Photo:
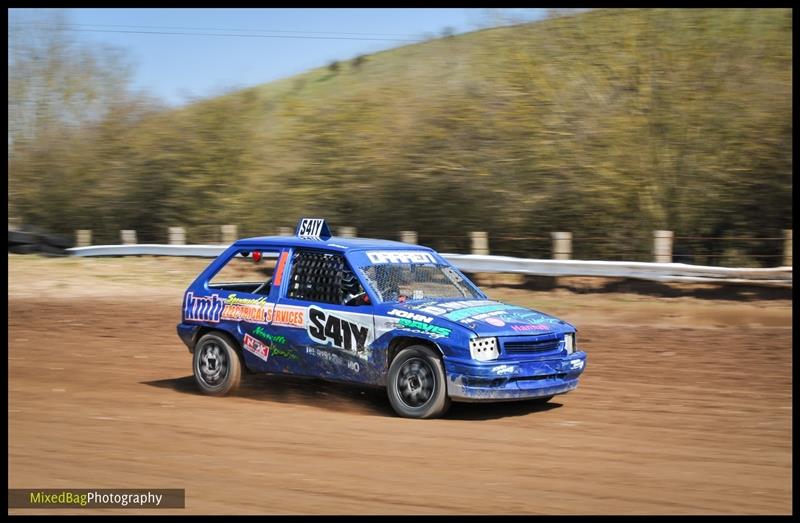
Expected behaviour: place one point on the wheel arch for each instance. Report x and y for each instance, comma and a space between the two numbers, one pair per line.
203, 330
237, 347
401, 342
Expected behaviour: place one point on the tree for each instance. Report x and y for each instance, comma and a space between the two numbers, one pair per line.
53, 80
359, 60
56, 86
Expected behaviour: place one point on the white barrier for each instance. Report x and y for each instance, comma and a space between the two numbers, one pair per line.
149, 249
621, 269
679, 272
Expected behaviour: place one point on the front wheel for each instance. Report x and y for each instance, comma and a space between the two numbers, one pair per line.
217, 367
417, 383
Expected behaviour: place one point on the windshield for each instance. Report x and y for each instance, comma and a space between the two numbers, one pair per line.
399, 282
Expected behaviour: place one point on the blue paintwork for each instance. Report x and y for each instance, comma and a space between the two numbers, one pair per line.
334, 243
294, 351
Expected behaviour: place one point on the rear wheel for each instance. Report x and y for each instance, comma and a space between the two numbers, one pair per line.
416, 384
216, 364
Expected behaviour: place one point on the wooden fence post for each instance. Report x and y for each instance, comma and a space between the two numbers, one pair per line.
128, 236
480, 242
787, 247
562, 245
83, 237
228, 233
408, 236
177, 236
347, 232
662, 246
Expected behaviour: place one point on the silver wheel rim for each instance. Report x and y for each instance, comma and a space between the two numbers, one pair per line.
415, 383
212, 365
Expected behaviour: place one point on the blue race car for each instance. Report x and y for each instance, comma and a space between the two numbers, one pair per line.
372, 312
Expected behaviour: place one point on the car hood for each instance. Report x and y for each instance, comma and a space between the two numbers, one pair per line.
484, 317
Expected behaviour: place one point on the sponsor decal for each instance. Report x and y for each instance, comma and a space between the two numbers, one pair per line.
488, 315
386, 324
528, 317
400, 257
333, 358
245, 309
203, 308
259, 331
287, 316
329, 328
528, 328
503, 369
472, 311
255, 346
424, 327
232, 299
278, 352
576, 364
491, 312
253, 310
410, 315
438, 309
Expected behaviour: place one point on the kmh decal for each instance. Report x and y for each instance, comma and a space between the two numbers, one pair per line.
203, 308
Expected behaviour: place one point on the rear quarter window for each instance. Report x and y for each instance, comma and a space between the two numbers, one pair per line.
241, 269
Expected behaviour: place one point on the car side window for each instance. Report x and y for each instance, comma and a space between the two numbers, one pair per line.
324, 277
247, 271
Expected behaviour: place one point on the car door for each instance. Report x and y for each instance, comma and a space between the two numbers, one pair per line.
338, 323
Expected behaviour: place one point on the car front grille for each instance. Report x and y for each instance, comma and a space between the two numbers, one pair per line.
531, 346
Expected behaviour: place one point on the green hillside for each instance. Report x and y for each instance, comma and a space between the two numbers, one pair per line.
609, 124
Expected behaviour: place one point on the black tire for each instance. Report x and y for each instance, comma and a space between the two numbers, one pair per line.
417, 385
216, 365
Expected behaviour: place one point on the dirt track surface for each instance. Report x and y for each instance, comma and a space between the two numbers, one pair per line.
685, 407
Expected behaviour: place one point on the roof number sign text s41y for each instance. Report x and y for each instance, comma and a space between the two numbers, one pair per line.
314, 228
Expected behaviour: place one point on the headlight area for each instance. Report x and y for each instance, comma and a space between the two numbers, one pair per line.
570, 342
483, 349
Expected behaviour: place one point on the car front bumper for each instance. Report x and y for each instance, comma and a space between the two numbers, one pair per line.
517, 379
